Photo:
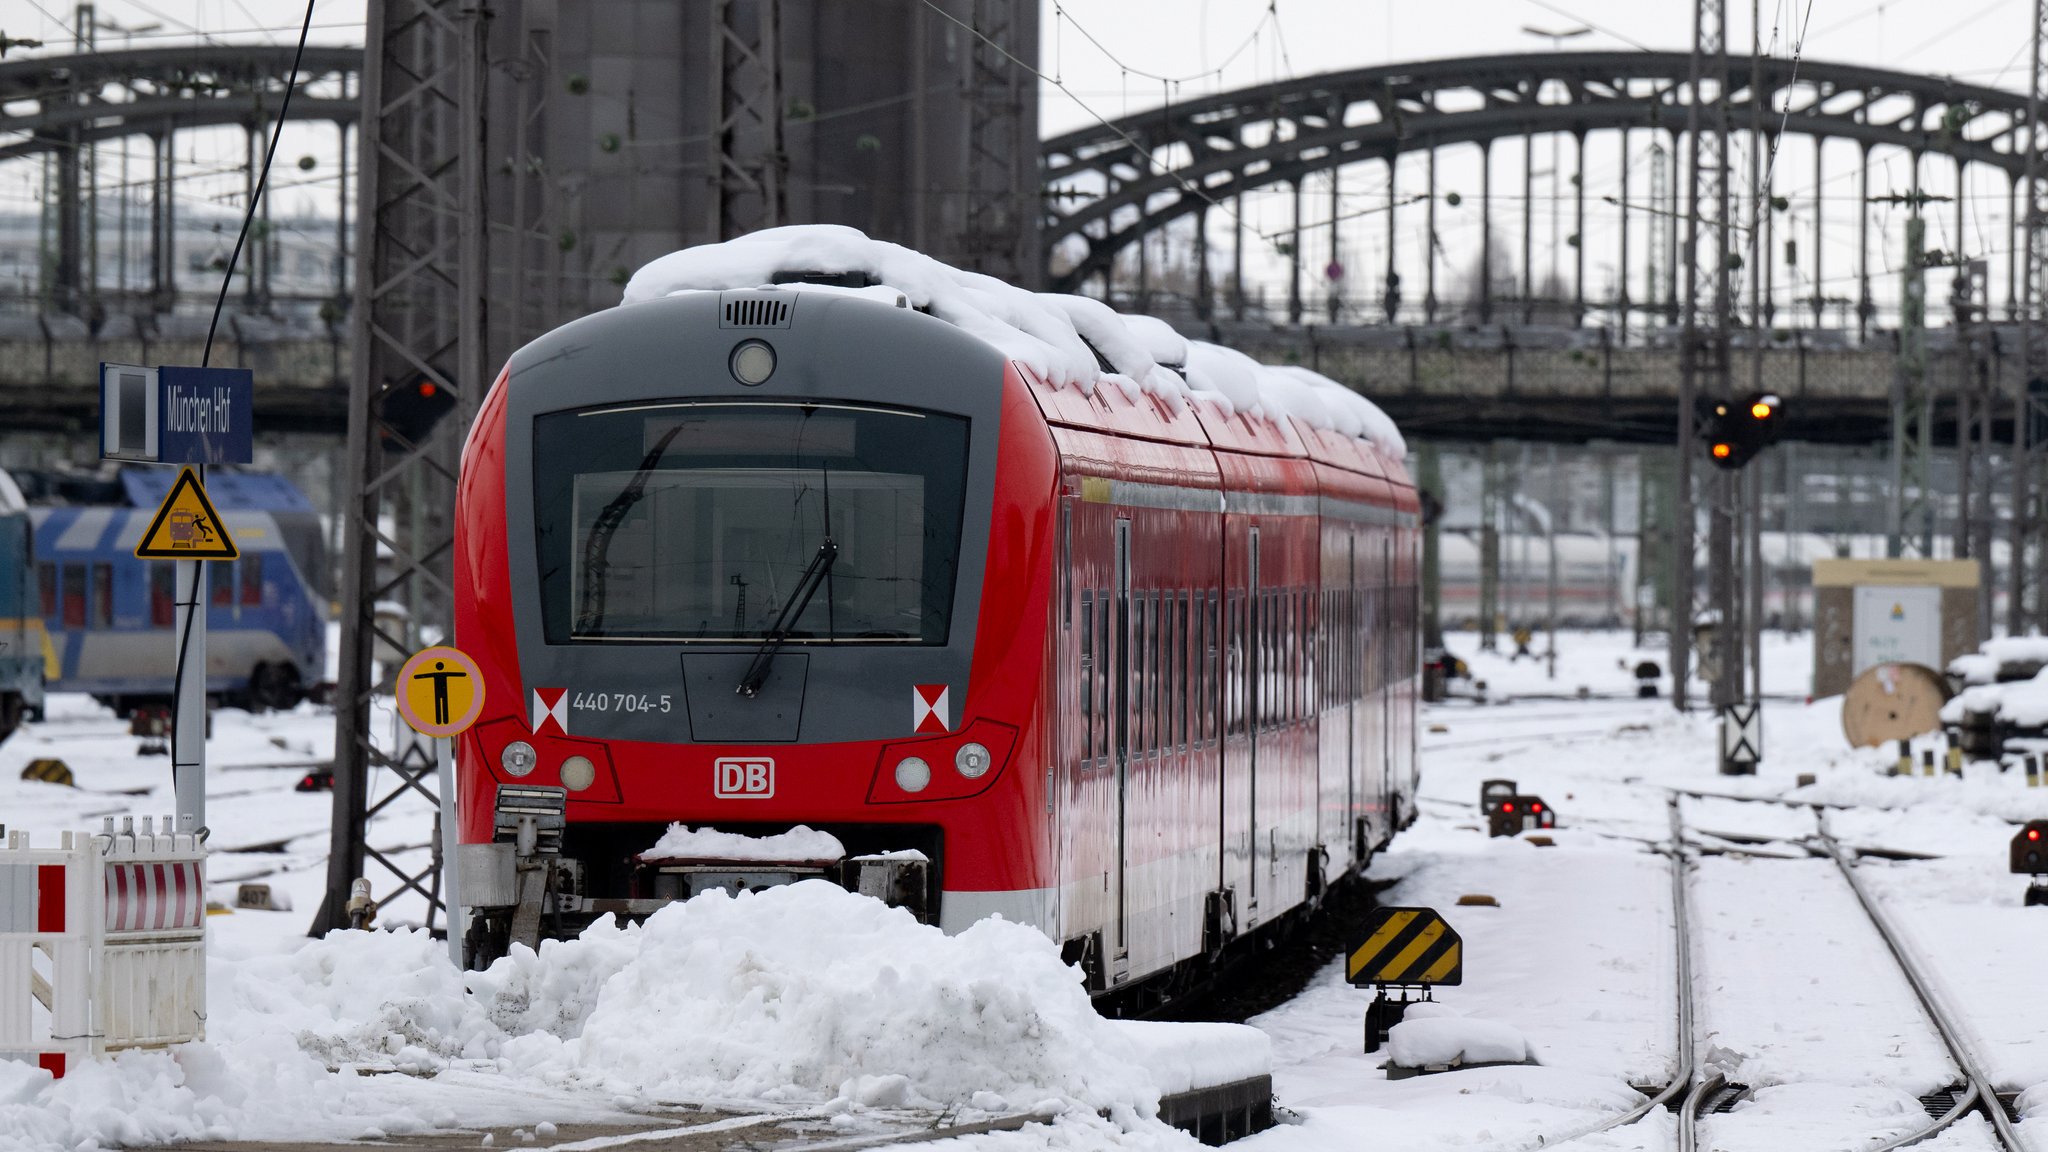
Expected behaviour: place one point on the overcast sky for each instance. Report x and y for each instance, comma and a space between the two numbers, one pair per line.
1982, 41
1107, 57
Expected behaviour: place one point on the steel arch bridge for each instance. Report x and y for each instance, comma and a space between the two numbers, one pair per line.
61, 105
1109, 186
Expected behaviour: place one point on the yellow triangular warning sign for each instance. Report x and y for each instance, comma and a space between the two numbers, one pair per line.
186, 526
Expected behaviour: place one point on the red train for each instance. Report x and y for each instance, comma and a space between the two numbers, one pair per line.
1135, 664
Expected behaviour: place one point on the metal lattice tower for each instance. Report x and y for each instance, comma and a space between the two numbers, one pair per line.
418, 316
998, 234
2023, 605
748, 163
1703, 348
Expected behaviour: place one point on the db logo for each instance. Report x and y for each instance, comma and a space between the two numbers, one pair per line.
743, 778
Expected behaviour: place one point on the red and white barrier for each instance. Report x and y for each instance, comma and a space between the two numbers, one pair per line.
102, 943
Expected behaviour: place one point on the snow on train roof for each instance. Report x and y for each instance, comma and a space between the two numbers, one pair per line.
1054, 335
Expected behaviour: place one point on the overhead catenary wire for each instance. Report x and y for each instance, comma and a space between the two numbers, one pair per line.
1151, 163
262, 181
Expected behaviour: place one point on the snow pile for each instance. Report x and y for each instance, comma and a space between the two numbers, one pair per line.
808, 994
2023, 703
803, 995
1182, 1057
1982, 666
799, 845
1432, 1034
1056, 336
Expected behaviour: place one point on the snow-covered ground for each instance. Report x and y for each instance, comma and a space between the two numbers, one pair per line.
810, 1002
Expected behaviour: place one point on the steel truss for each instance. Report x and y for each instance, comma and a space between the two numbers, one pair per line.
419, 315
1278, 134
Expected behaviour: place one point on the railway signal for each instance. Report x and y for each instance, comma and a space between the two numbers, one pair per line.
2030, 858
1404, 948
1737, 432
1514, 815
1492, 793
410, 411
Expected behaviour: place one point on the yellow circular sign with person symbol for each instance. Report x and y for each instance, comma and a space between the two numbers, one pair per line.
440, 692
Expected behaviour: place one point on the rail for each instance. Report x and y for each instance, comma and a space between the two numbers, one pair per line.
1979, 1095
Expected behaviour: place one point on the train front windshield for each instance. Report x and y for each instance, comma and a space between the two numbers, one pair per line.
697, 521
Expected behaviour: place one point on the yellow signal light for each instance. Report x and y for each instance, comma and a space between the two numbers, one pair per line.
1723, 451
1761, 410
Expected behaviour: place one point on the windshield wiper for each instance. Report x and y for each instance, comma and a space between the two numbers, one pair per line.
799, 599
597, 544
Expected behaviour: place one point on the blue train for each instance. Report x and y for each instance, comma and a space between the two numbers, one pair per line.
23, 650
108, 615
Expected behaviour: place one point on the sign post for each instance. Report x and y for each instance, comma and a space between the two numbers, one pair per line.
187, 531
175, 414
440, 693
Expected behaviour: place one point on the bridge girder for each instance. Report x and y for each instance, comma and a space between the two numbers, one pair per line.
1278, 133
146, 91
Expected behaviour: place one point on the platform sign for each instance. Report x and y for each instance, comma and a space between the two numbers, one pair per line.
185, 526
440, 692
176, 414
1408, 946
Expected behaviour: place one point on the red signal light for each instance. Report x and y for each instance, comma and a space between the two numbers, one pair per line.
1535, 807
427, 389
2033, 833
1507, 807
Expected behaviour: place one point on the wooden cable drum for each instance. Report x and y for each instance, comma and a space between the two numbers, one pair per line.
1891, 702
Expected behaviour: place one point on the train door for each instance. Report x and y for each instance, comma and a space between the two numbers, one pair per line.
1119, 718
1255, 671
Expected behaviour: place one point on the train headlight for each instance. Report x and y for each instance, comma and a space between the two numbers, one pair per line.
518, 758
972, 760
753, 362
912, 774
578, 773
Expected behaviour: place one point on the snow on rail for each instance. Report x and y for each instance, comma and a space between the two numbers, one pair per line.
1056, 336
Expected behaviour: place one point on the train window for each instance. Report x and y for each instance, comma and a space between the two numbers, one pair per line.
1232, 660
1283, 646
222, 580
74, 596
1162, 672
1205, 655
1066, 561
1174, 661
163, 594
1259, 707
1087, 678
252, 577
103, 595
1148, 673
697, 521
1211, 670
46, 587
1183, 675
1105, 688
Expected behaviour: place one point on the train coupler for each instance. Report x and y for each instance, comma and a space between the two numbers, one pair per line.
532, 818
898, 879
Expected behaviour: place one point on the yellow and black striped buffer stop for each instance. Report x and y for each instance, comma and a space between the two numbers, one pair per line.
1412, 946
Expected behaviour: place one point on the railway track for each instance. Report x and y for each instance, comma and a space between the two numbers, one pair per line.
1696, 1090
